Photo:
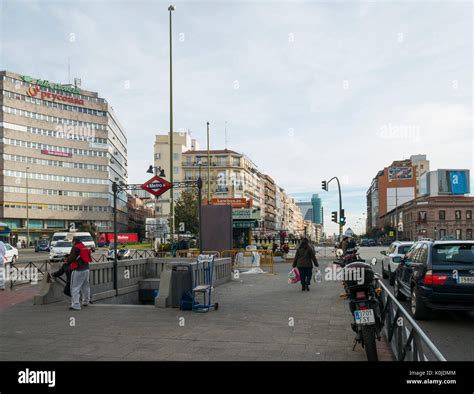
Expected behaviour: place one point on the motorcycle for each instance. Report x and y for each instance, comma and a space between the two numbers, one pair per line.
365, 304
352, 255
122, 254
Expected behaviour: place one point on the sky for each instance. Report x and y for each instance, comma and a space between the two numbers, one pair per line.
308, 90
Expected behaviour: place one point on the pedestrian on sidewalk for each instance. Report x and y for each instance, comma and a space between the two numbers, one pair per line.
79, 260
3, 252
305, 257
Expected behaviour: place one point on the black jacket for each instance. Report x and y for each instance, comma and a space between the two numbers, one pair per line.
305, 258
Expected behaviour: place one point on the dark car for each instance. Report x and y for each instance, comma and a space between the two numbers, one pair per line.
364, 242
42, 246
437, 275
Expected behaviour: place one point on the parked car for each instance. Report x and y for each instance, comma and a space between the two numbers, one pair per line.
11, 254
42, 246
57, 237
364, 242
437, 275
396, 250
58, 251
372, 242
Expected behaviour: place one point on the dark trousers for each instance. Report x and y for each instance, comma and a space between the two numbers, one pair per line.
305, 274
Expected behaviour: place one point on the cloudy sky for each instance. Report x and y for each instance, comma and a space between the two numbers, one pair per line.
308, 90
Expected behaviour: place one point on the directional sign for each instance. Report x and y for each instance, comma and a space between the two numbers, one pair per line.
156, 186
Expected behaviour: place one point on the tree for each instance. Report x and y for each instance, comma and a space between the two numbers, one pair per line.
89, 228
186, 211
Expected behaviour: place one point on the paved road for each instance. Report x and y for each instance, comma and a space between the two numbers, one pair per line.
451, 332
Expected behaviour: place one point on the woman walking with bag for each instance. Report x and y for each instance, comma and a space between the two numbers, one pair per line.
304, 260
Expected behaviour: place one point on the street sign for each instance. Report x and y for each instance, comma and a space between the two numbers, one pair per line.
156, 186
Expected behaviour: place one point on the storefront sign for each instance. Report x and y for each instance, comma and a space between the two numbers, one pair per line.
55, 153
47, 84
251, 224
234, 202
246, 214
35, 91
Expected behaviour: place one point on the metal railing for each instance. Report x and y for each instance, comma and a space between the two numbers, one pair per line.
405, 336
21, 273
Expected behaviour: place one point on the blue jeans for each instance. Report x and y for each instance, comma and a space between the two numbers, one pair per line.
305, 274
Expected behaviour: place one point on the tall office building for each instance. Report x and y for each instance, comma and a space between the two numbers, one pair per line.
62, 147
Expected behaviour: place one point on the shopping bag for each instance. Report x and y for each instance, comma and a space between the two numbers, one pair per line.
318, 276
294, 276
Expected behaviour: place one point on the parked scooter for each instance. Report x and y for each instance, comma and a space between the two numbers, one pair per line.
365, 304
122, 254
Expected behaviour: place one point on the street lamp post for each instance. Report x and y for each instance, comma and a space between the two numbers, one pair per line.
199, 185
27, 210
171, 9
208, 168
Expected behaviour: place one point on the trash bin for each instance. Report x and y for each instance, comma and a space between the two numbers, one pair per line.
181, 282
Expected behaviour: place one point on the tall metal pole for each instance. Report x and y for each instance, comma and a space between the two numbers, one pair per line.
199, 185
340, 205
396, 213
27, 210
115, 191
208, 168
171, 9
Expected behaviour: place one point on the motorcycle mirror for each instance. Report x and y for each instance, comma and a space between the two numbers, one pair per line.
339, 252
374, 261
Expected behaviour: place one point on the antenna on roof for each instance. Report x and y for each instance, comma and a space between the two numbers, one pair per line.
69, 70
225, 134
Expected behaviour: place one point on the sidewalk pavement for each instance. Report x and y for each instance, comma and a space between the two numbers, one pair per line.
253, 323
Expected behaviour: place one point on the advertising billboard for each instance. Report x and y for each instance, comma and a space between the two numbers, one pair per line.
455, 182
400, 173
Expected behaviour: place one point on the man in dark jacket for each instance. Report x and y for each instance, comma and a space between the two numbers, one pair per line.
78, 260
305, 257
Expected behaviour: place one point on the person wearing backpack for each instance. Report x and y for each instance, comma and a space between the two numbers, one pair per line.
79, 260
305, 257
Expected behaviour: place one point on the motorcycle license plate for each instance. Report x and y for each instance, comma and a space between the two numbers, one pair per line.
364, 317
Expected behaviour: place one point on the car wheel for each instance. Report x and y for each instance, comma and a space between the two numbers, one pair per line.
384, 273
396, 289
418, 309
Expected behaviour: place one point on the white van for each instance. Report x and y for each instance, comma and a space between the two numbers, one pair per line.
58, 237
85, 238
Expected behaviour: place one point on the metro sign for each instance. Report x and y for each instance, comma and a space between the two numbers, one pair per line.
156, 186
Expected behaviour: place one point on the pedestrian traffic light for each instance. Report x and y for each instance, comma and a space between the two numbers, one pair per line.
324, 185
334, 216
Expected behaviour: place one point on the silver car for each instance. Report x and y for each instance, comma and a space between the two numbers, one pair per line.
391, 258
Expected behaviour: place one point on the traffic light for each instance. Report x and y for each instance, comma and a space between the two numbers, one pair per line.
334, 216
324, 185
342, 218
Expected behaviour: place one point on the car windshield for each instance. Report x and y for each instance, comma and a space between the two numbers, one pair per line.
84, 238
43, 242
454, 253
403, 249
58, 237
63, 244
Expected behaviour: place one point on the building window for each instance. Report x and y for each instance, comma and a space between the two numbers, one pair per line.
458, 234
469, 233
442, 233
157, 156
442, 215
457, 215
469, 215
